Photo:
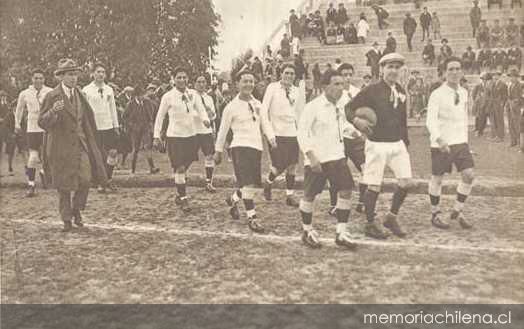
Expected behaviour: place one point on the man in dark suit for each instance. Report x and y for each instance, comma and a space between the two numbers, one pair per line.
484, 58
331, 14
475, 15
410, 25
499, 98
468, 60
425, 22
481, 96
428, 53
72, 152
514, 106
373, 57
391, 44
514, 57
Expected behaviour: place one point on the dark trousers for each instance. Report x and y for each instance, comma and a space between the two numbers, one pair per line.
481, 121
425, 31
514, 123
375, 71
67, 205
496, 120
409, 37
475, 25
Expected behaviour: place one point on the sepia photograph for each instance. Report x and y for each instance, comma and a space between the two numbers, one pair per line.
246, 164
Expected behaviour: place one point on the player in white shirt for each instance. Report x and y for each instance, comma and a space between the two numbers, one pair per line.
242, 116
29, 102
320, 135
182, 148
101, 97
447, 123
279, 116
205, 139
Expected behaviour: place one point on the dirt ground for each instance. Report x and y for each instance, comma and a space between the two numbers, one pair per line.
138, 247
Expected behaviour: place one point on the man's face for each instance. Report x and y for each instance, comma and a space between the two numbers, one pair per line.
38, 80
246, 84
288, 76
391, 72
347, 75
201, 84
70, 78
149, 92
335, 87
496, 77
454, 72
100, 74
180, 80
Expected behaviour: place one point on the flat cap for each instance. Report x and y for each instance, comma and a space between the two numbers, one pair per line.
392, 58
485, 76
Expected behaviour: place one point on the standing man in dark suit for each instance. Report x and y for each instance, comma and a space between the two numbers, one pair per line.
514, 106
72, 153
391, 44
425, 22
373, 57
410, 25
475, 16
481, 96
499, 98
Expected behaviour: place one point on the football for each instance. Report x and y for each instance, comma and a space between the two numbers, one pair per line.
367, 114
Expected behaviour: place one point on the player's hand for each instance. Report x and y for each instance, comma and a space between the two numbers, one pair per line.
117, 131
363, 126
315, 164
206, 123
57, 106
217, 157
444, 147
273, 142
156, 143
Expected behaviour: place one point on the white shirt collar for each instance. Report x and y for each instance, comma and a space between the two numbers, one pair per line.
67, 90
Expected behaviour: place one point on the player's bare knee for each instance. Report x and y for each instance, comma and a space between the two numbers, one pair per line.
344, 194
406, 183
181, 170
468, 176
374, 188
291, 170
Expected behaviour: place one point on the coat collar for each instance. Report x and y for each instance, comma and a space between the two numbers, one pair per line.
67, 104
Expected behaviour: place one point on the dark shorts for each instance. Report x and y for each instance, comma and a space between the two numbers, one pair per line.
182, 151
336, 172
206, 143
35, 140
285, 154
108, 139
247, 166
459, 155
15, 141
141, 138
354, 150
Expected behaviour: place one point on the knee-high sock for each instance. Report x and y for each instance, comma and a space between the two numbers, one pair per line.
333, 197
463, 191
180, 182
434, 191
306, 212
342, 213
290, 184
209, 164
398, 198
370, 202
249, 204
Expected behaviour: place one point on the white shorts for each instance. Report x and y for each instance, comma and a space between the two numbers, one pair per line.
380, 155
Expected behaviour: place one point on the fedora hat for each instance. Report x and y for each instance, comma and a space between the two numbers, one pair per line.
67, 65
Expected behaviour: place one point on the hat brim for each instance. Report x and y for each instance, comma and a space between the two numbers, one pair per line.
401, 62
68, 69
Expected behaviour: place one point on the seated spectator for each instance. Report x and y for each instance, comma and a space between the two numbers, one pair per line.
469, 62
428, 53
342, 15
350, 35
285, 47
340, 34
331, 14
319, 27
435, 26
499, 60
484, 58
382, 14
446, 49
515, 56
512, 32
331, 35
491, 2
483, 34
497, 35
362, 29
391, 44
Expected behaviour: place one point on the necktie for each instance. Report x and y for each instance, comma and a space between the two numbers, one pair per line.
394, 96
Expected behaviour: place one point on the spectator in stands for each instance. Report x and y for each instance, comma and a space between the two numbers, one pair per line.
469, 63
484, 58
373, 57
481, 96
363, 28
497, 34
294, 24
499, 60
425, 23
295, 45
331, 34
391, 44
490, 2
435, 26
310, 25
303, 22
329, 70
514, 2
319, 29
351, 34
367, 81
496, 117
258, 69
300, 67
416, 93
285, 50
446, 49
515, 56
331, 14
382, 14
268, 70
512, 32
428, 53
317, 80
483, 34
410, 26
475, 16
342, 15
338, 62
268, 53
514, 106
340, 34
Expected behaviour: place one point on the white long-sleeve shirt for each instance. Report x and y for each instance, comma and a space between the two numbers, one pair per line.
200, 99
279, 115
102, 101
350, 131
446, 120
320, 130
181, 110
30, 100
244, 122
